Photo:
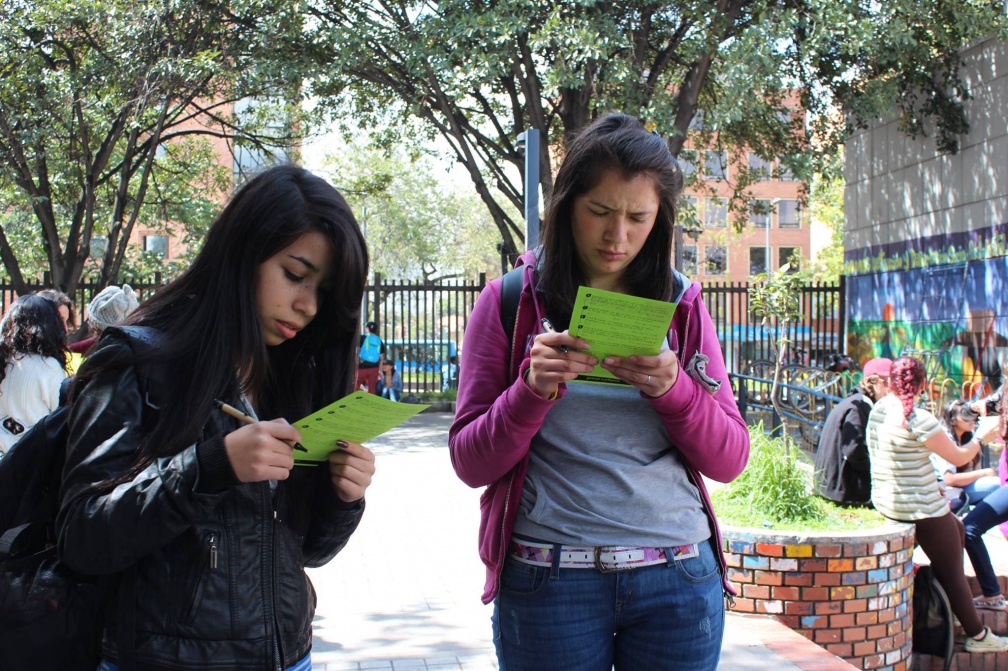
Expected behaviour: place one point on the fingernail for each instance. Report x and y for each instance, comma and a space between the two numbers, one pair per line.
341, 443
609, 361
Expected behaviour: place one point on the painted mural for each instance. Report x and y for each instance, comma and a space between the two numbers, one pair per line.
943, 299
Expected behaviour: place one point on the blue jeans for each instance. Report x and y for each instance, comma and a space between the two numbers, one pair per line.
987, 514
980, 489
667, 616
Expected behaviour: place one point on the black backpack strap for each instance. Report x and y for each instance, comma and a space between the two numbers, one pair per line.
511, 288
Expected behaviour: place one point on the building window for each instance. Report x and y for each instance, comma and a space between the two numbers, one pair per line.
761, 167
787, 214
689, 259
790, 255
759, 213
715, 260
99, 243
687, 162
784, 173
757, 260
715, 213
156, 244
715, 165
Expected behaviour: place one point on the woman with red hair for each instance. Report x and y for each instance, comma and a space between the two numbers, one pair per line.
904, 488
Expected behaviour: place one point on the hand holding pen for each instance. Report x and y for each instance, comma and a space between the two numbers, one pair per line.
260, 450
555, 359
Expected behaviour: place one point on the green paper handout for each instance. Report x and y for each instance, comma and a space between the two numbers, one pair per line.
618, 325
358, 418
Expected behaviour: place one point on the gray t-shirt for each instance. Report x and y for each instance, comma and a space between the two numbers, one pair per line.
603, 471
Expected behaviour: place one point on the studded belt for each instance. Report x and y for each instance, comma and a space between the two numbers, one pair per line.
604, 558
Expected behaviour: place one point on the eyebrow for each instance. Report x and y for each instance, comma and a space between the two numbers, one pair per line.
599, 203
308, 264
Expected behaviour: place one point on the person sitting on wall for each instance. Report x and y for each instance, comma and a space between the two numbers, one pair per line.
842, 469
974, 484
390, 384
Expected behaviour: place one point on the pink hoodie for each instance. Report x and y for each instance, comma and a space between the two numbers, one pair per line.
497, 414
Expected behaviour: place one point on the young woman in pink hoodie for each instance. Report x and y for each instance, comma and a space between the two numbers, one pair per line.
597, 532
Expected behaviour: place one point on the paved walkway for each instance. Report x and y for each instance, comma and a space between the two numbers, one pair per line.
405, 592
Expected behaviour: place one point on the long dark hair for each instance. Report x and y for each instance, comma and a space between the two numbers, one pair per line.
208, 320
905, 380
32, 326
612, 142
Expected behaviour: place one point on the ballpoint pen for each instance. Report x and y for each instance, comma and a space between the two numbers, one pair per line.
549, 329
241, 416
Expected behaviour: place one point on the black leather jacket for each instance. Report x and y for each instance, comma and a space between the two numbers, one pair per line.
220, 581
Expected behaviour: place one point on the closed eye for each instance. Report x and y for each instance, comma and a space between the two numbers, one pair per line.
297, 279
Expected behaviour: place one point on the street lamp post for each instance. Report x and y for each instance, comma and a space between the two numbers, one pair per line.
529, 143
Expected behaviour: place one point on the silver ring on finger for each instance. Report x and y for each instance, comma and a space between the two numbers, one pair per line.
648, 381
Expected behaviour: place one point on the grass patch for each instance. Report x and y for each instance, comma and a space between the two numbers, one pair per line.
775, 492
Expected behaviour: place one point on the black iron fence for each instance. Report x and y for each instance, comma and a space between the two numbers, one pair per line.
423, 324
86, 290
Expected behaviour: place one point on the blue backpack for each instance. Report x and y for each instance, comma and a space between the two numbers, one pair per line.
370, 349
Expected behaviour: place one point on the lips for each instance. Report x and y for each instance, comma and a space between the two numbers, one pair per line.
611, 256
287, 330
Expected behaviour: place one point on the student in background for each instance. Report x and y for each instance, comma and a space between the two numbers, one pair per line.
390, 383
842, 471
33, 359
64, 306
210, 512
110, 306
904, 488
372, 353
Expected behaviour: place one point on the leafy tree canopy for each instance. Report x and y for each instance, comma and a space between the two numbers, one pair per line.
479, 73
419, 224
102, 104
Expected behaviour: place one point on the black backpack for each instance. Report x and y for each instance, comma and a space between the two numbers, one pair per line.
50, 616
933, 632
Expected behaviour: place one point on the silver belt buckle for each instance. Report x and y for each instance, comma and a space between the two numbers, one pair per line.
604, 569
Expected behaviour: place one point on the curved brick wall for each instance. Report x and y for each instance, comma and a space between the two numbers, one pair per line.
849, 592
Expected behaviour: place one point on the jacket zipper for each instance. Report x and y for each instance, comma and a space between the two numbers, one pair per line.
202, 577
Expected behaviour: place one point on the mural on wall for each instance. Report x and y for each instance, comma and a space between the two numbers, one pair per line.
943, 299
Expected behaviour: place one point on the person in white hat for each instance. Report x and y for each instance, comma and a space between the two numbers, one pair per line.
110, 306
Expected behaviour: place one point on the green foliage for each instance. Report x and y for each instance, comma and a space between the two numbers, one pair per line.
726, 76
775, 491
419, 225
95, 96
772, 485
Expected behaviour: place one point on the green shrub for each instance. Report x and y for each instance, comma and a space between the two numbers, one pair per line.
775, 491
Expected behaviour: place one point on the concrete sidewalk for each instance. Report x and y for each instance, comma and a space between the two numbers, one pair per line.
405, 592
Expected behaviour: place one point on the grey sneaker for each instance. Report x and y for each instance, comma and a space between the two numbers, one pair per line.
990, 642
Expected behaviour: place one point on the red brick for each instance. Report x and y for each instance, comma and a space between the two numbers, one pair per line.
799, 608
840, 565
855, 606
828, 608
738, 576
840, 649
768, 578
841, 621
853, 634
815, 594
787, 593
744, 605
865, 648
770, 549
828, 636
855, 549
732, 559
827, 579
878, 631
812, 565
798, 579
866, 618
756, 591
873, 662
829, 551
841, 593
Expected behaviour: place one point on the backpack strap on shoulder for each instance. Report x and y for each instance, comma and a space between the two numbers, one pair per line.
511, 288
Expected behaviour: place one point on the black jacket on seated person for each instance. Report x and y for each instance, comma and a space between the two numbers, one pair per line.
219, 563
842, 469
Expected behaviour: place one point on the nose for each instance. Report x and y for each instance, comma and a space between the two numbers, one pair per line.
616, 230
307, 301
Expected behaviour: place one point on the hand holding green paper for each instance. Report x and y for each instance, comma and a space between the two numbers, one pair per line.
358, 418
618, 325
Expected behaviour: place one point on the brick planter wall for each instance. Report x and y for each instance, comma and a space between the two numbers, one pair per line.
850, 592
